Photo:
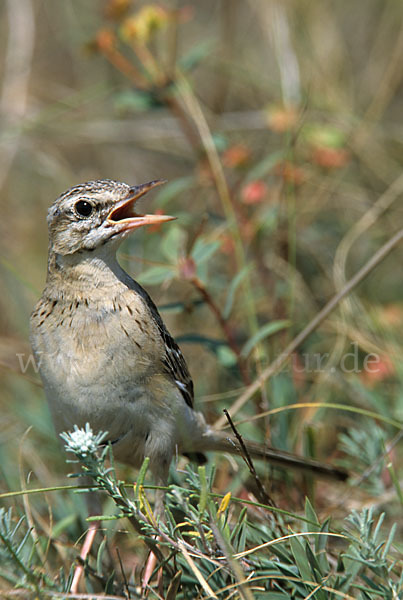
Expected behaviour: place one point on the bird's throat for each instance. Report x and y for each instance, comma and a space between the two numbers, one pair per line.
86, 272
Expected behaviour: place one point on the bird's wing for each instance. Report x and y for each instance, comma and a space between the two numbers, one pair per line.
176, 366
173, 359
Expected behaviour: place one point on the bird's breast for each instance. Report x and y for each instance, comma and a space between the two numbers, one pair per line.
94, 355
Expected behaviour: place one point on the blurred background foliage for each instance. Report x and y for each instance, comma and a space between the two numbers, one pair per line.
278, 127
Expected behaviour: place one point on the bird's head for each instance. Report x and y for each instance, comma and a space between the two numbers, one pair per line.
97, 213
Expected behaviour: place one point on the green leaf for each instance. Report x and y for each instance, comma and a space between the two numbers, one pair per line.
63, 524
298, 550
268, 219
143, 470
180, 307
226, 356
219, 348
315, 567
156, 275
265, 331
320, 546
220, 142
239, 277
203, 489
324, 135
196, 54
172, 189
135, 101
195, 338
203, 250
100, 555
265, 166
389, 541
173, 243
310, 514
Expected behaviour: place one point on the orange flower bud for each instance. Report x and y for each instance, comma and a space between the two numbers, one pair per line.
105, 40
236, 156
254, 192
141, 26
290, 173
330, 158
281, 118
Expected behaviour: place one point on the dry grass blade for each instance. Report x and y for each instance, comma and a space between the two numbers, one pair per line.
196, 571
284, 538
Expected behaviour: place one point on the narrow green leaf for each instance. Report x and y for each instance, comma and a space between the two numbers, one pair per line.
389, 540
268, 219
63, 524
180, 307
320, 546
156, 275
195, 338
311, 516
266, 165
239, 277
203, 489
203, 250
238, 532
173, 243
135, 101
298, 550
315, 566
109, 586
197, 54
100, 554
143, 471
220, 141
264, 332
329, 136
172, 189
226, 356
377, 529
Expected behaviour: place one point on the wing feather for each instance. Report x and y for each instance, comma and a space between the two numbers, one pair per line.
173, 359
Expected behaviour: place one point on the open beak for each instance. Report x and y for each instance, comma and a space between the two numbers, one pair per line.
123, 212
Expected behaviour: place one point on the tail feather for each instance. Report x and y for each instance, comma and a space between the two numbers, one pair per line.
215, 440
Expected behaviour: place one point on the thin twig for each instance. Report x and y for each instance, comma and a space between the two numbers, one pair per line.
126, 584
262, 495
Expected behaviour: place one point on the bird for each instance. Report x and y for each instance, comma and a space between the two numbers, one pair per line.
104, 353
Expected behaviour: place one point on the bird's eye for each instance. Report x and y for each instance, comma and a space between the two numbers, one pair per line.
83, 208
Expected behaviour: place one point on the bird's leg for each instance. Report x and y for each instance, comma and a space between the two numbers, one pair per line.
93, 508
85, 550
161, 479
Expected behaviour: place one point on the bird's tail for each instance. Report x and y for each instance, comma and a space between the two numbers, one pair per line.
219, 441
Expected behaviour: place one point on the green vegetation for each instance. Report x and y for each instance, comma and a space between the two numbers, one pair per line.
277, 127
